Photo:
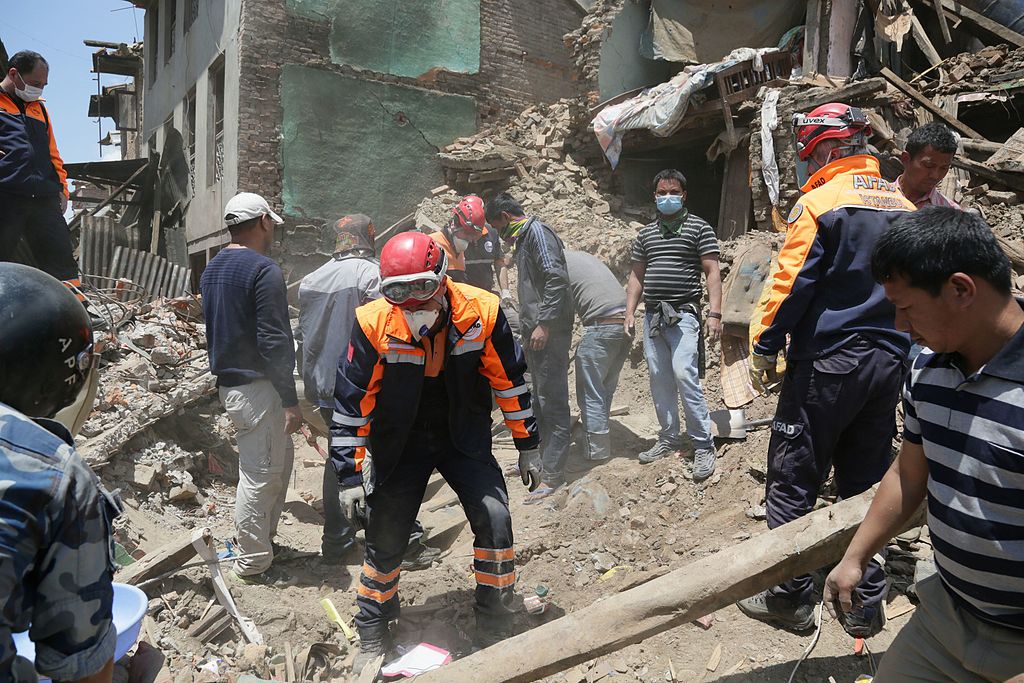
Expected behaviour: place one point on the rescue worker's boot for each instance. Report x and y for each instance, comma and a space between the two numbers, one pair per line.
773, 609
492, 628
374, 642
861, 621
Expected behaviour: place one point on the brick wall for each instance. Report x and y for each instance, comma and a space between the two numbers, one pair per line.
523, 60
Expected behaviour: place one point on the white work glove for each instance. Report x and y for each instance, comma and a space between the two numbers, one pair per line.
352, 498
529, 468
763, 371
506, 299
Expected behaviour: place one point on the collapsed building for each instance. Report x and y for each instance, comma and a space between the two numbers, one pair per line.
335, 107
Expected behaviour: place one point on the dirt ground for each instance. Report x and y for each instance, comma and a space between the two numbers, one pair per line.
610, 525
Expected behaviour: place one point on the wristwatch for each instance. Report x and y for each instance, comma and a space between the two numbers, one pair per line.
715, 315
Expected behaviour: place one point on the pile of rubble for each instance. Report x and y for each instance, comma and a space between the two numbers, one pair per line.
542, 158
153, 364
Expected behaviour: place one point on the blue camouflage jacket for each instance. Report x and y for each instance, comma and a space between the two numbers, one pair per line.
56, 561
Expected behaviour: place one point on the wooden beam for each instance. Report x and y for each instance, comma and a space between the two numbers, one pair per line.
936, 111
676, 598
924, 42
1014, 181
168, 556
849, 94
943, 25
981, 21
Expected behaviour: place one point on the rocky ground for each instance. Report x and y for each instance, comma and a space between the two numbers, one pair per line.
610, 527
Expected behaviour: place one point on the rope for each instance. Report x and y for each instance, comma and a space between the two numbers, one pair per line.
814, 639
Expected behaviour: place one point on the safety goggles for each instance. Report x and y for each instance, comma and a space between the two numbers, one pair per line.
400, 290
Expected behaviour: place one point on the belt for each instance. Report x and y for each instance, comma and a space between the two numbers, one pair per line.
613, 320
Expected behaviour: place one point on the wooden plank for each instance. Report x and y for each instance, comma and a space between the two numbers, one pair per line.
981, 21
1013, 181
850, 94
165, 558
735, 212
937, 111
924, 42
678, 597
943, 25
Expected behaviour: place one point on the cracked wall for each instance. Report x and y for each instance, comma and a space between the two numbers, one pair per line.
375, 154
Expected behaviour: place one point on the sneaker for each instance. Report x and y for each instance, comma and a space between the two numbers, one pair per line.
703, 463
420, 560
862, 622
270, 577
659, 450
772, 609
373, 644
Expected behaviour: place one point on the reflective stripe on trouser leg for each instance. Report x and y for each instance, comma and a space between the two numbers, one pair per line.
377, 595
495, 567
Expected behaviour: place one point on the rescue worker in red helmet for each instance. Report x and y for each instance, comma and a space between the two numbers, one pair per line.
845, 363
467, 225
414, 390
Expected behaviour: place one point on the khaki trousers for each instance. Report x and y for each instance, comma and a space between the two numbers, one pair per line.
942, 642
265, 456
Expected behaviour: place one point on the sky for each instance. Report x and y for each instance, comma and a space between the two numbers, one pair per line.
56, 29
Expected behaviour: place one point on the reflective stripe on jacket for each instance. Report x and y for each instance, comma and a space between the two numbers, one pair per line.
377, 392
823, 293
29, 161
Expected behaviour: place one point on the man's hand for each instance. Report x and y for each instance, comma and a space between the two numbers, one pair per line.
763, 371
351, 498
714, 329
292, 419
506, 299
529, 468
840, 584
63, 203
539, 338
629, 325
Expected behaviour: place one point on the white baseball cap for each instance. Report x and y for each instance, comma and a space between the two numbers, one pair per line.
245, 206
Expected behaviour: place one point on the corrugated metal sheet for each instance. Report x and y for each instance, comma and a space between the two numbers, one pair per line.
156, 274
100, 237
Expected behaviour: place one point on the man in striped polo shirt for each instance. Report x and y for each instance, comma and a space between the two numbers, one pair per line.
963, 447
669, 256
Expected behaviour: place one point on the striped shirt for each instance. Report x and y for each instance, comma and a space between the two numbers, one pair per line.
673, 267
972, 432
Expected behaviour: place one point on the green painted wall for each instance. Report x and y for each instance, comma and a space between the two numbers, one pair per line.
361, 146
400, 37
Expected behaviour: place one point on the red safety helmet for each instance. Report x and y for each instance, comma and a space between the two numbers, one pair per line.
834, 120
468, 215
412, 268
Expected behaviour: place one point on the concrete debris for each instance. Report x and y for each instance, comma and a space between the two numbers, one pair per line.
155, 365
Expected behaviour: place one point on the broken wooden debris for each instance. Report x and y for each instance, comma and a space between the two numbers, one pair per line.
167, 557
936, 111
1012, 180
979, 20
678, 597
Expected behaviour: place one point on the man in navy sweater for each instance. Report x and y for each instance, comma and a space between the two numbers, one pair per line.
252, 354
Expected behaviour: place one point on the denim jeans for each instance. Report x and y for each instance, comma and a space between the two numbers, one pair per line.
599, 359
549, 372
672, 364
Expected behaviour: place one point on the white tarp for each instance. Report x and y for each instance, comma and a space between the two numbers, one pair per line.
660, 109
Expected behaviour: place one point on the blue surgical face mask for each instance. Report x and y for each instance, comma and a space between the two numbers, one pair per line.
669, 204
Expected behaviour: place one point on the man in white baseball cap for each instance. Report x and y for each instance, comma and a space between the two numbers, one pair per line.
252, 353
245, 206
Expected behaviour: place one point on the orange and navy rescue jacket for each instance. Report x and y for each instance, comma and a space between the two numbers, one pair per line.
456, 261
823, 293
380, 378
30, 164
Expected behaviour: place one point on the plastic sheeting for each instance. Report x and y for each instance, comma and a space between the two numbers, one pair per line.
705, 31
769, 122
661, 109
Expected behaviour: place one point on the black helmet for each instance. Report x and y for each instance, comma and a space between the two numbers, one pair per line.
45, 342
